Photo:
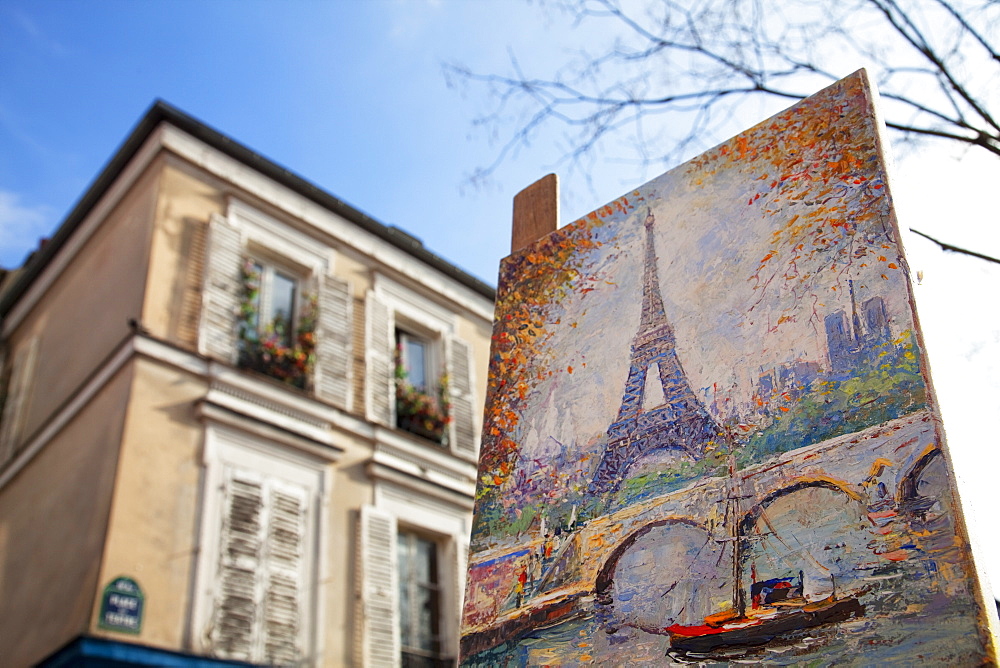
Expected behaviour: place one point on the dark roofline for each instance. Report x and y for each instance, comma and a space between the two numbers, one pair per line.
161, 112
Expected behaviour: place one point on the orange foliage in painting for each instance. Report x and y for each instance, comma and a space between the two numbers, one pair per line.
813, 171
532, 283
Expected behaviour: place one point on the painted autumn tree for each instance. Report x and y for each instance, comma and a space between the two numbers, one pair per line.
815, 175
533, 283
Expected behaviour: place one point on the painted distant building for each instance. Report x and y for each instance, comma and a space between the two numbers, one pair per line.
853, 338
240, 423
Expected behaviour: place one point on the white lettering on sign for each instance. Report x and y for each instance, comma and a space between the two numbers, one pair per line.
123, 602
121, 619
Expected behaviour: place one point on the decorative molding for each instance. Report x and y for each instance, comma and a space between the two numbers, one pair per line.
324, 220
380, 472
289, 402
265, 402
414, 306
264, 232
400, 445
226, 416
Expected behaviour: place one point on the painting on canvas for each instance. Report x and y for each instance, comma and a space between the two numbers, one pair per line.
709, 431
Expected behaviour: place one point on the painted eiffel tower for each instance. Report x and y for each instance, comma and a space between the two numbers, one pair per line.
680, 422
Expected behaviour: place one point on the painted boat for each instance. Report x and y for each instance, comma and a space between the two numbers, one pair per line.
778, 606
760, 627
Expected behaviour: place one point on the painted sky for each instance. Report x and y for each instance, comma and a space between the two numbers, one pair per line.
351, 96
709, 241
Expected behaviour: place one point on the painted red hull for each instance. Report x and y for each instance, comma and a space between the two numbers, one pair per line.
750, 631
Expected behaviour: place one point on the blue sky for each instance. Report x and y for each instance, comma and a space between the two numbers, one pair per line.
351, 96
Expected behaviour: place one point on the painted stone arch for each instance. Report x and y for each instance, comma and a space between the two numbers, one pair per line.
925, 501
812, 532
661, 573
751, 516
916, 482
605, 576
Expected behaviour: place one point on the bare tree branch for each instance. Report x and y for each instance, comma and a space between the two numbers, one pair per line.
955, 249
936, 63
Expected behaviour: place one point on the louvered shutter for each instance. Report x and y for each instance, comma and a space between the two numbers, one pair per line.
221, 295
333, 341
283, 572
380, 346
459, 561
459, 372
462, 560
16, 404
378, 596
236, 608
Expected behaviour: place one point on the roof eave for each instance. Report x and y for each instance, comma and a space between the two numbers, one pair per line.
161, 112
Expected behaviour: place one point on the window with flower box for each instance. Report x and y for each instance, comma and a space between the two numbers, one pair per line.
433, 399
423, 403
277, 324
270, 305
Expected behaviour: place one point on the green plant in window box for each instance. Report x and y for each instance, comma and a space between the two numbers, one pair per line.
269, 349
420, 412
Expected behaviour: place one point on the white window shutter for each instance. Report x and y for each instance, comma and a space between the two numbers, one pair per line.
378, 612
458, 560
261, 590
284, 589
16, 405
333, 341
221, 294
236, 615
380, 344
464, 435
462, 555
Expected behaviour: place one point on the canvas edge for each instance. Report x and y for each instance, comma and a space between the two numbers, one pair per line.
982, 586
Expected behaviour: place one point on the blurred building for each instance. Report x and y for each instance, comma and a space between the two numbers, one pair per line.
239, 421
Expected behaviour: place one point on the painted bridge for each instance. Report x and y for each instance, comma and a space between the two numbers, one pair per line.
886, 460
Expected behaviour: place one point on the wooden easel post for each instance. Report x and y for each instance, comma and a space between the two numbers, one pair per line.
536, 212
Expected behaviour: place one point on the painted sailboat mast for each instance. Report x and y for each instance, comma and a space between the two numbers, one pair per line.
739, 598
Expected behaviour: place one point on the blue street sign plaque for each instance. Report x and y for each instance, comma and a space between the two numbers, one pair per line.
121, 606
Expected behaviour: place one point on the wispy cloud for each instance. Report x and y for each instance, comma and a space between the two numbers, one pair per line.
21, 227
41, 39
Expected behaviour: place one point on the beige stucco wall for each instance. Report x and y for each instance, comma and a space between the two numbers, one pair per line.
350, 488
478, 333
53, 520
84, 315
185, 202
153, 520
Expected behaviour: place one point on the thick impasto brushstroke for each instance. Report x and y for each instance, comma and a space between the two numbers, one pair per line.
709, 432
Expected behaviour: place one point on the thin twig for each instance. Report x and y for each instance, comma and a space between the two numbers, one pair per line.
955, 249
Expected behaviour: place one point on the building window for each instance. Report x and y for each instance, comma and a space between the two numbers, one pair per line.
422, 398
276, 330
414, 356
272, 296
419, 601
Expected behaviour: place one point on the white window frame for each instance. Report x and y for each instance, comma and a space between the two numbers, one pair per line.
269, 266
433, 364
226, 448
448, 526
